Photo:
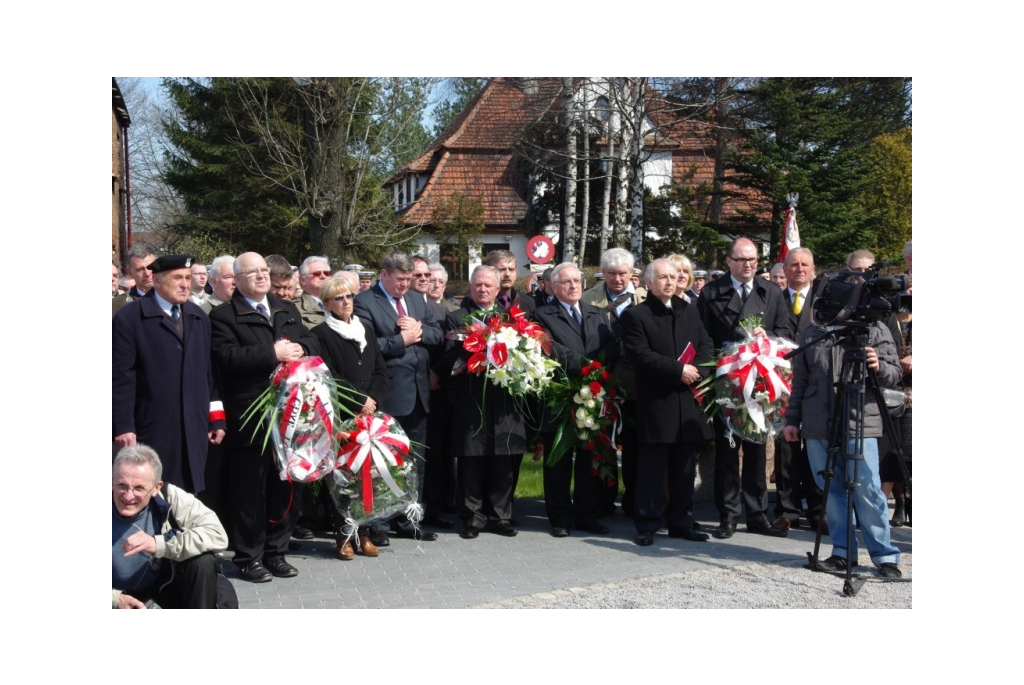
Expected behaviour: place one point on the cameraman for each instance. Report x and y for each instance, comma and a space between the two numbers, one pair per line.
815, 389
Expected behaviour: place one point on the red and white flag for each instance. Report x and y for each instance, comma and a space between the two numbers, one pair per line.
790, 236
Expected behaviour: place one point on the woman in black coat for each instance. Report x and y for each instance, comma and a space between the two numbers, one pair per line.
350, 351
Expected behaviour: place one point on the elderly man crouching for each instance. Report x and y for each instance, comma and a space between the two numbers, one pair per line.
164, 539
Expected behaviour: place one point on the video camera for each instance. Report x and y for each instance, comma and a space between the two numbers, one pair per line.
849, 296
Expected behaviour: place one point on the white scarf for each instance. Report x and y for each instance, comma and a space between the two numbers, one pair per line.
353, 330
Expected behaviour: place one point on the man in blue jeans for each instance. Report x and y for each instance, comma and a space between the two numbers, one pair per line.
815, 375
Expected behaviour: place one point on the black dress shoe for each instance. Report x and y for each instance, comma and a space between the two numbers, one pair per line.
595, 527
438, 521
280, 567
725, 530
411, 533
559, 532
255, 573
688, 534
762, 527
506, 529
469, 533
644, 539
302, 533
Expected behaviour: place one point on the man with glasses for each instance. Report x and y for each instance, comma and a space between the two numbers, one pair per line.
406, 332
252, 334
312, 272
581, 333
140, 256
164, 539
438, 281
723, 304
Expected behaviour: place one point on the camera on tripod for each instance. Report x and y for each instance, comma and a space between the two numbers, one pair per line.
850, 296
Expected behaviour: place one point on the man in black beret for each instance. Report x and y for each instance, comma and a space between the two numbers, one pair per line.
163, 391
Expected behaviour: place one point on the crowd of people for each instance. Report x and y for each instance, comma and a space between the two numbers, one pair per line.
193, 346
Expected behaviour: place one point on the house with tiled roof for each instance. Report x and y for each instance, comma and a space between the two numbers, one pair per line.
480, 155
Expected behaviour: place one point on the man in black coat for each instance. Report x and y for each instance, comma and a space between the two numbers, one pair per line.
793, 478
252, 334
488, 432
656, 334
163, 391
723, 304
406, 332
579, 332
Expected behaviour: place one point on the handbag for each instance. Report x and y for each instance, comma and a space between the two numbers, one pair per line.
895, 401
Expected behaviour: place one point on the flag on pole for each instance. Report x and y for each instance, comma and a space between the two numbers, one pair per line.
791, 233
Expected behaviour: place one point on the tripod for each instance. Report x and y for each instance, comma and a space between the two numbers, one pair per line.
846, 440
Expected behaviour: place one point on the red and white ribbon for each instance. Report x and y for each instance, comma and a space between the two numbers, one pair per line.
374, 444
306, 428
757, 359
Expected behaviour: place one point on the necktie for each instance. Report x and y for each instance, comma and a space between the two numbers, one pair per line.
263, 311
614, 302
175, 313
576, 317
745, 291
798, 303
398, 304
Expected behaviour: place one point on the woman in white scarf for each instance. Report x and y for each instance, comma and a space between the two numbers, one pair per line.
351, 353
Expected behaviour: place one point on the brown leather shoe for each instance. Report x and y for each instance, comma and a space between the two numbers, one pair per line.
782, 523
346, 552
367, 547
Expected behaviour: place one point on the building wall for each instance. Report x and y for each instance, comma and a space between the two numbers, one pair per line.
516, 245
116, 186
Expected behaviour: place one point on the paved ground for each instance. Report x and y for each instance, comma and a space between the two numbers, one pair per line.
536, 570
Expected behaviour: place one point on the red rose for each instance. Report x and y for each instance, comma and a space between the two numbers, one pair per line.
587, 370
596, 364
605, 376
595, 387
612, 392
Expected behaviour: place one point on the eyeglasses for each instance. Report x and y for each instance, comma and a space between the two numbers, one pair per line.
252, 273
423, 275
568, 281
138, 490
345, 298
438, 280
320, 274
744, 260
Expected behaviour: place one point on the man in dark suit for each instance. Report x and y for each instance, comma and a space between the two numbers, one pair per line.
163, 391
656, 333
580, 332
794, 481
723, 304
406, 332
488, 431
438, 469
252, 334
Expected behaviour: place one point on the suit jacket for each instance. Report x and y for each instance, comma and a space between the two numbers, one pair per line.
243, 353
486, 420
654, 337
722, 309
311, 313
121, 300
163, 388
596, 340
363, 371
799, 323
211, 302
408, 367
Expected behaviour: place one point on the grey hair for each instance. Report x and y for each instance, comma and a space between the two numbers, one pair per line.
495, 256
557, 270
216, 268
304, 267
438, 267
649, 271
140, 455
797, 250
616, 258
398, 260
138, 251
485, 268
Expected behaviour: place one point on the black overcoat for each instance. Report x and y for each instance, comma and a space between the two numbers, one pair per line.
654, 336
722, 309
365, 371
163, 386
